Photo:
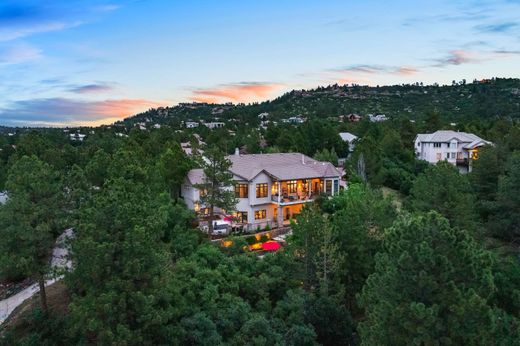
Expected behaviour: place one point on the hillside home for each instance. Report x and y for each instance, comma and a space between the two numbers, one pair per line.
458, 148
270, 188
214, 125
350, 139
377, 118
191, 124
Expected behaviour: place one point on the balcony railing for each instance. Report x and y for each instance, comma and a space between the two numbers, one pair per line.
293, 198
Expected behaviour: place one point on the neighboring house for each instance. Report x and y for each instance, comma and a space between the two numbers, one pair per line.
458, 148
377, 118
77, 137
191, 124
350, 139
270, 188
3, 197
294, 120
214, 125
353, 118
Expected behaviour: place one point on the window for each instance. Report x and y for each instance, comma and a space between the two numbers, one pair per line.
336, 186
447, 155
241, 216
241, 191
328, 187
453, 155
292, 186
261, 190
437, 145
260, 214
419, 144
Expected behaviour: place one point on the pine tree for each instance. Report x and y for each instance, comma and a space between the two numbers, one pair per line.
216, 188
431, 286
30, 221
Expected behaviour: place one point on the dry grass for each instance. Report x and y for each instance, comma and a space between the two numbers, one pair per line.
58, 299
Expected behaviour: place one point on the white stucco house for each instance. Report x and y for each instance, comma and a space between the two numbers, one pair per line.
458, 148
270, 188
214, 125
191, 124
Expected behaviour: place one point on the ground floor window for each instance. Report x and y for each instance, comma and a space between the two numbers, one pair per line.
241, 216
328, 187
260, 214
336, 186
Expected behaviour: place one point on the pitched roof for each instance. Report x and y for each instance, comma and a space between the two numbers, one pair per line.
282, 166
347, 136
196, 176
448, 135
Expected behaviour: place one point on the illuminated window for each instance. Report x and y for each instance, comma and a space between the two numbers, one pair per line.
260, 214
261, 190
241, 216
241, 191
292, 186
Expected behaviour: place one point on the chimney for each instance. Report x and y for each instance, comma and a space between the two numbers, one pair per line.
303, 159
237, 152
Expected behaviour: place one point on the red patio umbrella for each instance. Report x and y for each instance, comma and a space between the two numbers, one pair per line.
271, 245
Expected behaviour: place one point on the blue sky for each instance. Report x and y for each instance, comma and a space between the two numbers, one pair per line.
91, 62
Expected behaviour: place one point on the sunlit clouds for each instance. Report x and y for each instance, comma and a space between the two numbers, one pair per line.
58, 111
97, 61
240, 92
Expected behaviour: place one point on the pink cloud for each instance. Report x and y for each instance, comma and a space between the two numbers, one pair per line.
406, 71
64, 111
240, 92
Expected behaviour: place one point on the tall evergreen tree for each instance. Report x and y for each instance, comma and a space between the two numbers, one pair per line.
216, 188
122, 267
30, 221
431, 286
443, 189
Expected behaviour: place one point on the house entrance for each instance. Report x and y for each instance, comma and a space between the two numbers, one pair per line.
287, 214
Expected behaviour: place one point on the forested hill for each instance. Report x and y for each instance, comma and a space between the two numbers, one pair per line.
459, 101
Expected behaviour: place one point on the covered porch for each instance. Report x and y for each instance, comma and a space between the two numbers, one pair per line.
296, 191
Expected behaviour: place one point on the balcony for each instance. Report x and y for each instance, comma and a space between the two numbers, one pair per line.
293, 199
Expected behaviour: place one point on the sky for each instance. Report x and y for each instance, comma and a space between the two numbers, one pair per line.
76, 62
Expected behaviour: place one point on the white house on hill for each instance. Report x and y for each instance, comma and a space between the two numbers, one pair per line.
458, 148
270, 188
349, 138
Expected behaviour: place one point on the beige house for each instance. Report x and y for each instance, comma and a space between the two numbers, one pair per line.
270, 188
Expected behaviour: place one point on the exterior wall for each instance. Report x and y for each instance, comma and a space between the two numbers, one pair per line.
190, 194
428, 152
260, 179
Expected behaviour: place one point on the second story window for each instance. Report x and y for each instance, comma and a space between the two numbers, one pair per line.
292, 186
261, 190
241, 191
437, 145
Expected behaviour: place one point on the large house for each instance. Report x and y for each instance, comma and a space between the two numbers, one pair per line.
458, 148
270, 188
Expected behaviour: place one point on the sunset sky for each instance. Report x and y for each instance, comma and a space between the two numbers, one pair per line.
75, 62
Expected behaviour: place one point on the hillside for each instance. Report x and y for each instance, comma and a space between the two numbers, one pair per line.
481, 99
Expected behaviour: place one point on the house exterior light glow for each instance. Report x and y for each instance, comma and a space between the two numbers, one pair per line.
270, 188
